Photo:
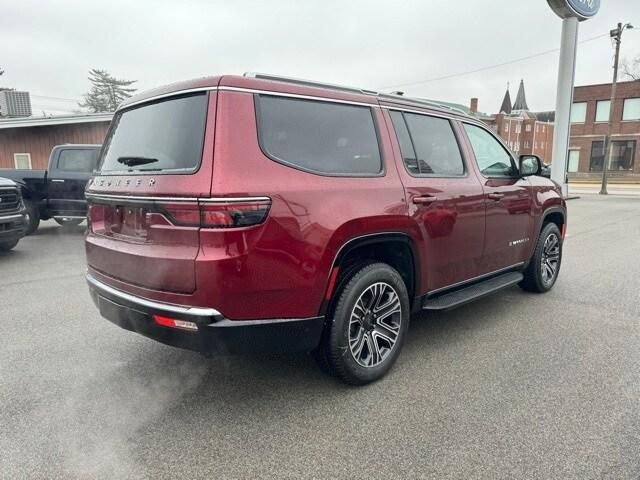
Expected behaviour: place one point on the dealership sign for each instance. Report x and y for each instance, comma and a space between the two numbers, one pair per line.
581, 9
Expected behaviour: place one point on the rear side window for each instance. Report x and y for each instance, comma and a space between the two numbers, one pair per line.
428, 145
165, 136
320, 137
76, 160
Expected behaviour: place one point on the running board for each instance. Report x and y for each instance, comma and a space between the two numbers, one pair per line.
473, 292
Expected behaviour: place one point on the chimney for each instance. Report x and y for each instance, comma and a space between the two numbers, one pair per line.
474, 105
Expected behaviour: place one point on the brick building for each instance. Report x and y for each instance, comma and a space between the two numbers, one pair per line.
524, 131
27, 142
589, 117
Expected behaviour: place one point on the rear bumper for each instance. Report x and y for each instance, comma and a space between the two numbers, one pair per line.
215, 334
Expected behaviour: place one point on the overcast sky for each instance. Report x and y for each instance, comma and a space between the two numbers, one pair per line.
47, 47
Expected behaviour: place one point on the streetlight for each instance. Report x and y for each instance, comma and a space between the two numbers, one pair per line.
616, 34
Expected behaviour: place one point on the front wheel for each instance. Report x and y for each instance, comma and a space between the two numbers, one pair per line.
542, 272
369, 324
32, 216
7, 245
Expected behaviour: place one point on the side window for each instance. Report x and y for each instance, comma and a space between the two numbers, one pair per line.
493, 160
406, 145
76, 160
433, 147
320, 137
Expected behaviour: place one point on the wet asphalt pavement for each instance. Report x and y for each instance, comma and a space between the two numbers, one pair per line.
516, 385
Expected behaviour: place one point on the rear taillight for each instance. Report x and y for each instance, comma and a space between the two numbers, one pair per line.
216, 214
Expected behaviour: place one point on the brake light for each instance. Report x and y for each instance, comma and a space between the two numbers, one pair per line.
216, 214
174, 323
95, 216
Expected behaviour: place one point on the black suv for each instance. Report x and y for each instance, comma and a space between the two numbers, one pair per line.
13, 225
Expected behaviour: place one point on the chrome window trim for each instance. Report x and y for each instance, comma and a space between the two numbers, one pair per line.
298, 96
107, 196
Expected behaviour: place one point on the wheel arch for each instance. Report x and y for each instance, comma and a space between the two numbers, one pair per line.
394, 248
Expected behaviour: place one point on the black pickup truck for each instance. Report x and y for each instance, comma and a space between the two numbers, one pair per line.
12, 219
57, 192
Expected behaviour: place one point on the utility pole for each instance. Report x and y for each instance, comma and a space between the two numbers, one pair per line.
616, 34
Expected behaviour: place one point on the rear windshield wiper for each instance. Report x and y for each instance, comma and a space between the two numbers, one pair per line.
135, 161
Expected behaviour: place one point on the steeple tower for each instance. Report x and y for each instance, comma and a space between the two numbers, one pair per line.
506, 102
521, 101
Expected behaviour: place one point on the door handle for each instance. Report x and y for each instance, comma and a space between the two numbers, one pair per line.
58, 180
495, 196
424, 199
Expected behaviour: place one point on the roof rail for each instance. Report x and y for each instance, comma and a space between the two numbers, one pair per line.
309, 83
422, 101
362, 91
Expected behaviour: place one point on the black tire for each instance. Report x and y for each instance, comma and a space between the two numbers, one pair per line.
69, 222
32, 215
542, 272
377, 336
7, 245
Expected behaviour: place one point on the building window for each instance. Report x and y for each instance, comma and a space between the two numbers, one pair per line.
631, 109
602, 110
22, 160
517, 128
621, 155
506, 128
542, 128
527, 128
574, 160
535, 145
526, 144
578, 112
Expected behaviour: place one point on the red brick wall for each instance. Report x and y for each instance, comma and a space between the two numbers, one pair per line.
38, 141
584, 134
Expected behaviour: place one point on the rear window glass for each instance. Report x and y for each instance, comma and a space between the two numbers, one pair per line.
321, 137
165, 136
76, 160
435, 146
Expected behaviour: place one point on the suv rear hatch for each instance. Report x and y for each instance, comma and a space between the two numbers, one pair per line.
144, 213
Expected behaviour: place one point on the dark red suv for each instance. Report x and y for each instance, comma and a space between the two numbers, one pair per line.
259, 213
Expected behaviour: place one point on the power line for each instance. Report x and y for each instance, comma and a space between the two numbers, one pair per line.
56, 98
489, 67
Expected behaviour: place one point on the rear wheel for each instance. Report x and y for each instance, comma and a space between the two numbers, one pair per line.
542, 272
368, 326
32, 216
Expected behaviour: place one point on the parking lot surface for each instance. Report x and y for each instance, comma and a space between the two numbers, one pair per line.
516, 385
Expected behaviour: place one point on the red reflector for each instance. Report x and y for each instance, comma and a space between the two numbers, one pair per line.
174, 323
564, 230
332, 282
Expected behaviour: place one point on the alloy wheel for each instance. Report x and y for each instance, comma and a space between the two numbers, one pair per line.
374, 324
550, 258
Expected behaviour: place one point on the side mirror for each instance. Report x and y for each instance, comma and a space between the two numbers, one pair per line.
530, 165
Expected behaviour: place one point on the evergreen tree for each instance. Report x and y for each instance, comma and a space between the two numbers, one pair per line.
107, 92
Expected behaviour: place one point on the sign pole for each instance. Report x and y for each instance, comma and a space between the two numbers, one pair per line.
571, 12
564, 99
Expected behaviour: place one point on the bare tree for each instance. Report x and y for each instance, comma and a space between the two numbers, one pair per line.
107, 92
632, 69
